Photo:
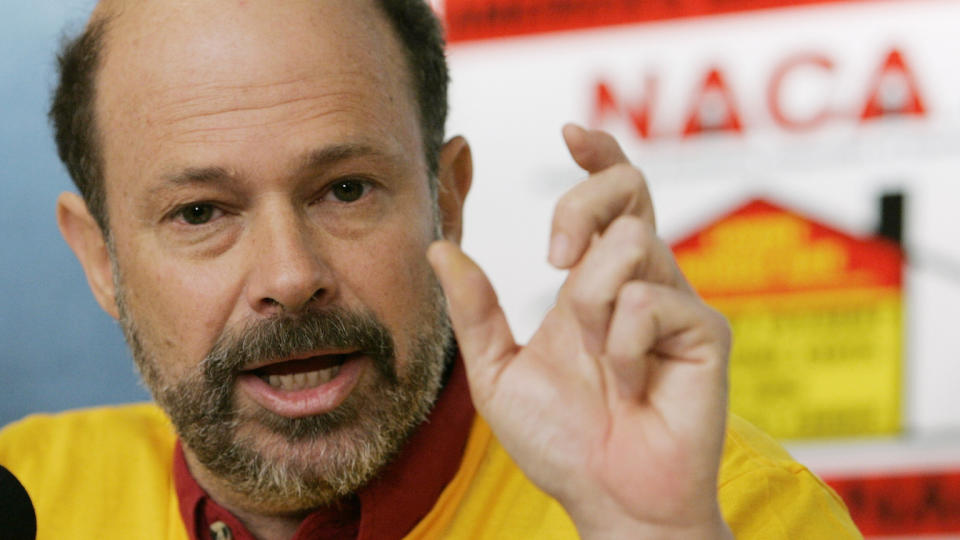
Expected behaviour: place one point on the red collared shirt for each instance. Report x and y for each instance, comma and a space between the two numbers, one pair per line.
388, 507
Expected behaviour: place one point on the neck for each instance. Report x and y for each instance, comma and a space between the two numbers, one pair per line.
268, 527
264, 524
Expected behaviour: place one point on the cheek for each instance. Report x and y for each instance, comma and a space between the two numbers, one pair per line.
179, 309
393, 278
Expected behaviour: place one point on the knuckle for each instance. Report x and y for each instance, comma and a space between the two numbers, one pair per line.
570, 206
627, 172
718, 325
632, 230
723, 328
635, 256
636, 295
634, 241
589, 303
623, 170
588, 306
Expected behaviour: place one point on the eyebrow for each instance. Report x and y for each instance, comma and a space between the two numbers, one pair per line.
311, 161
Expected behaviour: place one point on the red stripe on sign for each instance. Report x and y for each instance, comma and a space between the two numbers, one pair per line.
483, 19
903, 504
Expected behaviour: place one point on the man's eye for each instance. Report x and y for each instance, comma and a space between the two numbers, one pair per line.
348, 190
197, 213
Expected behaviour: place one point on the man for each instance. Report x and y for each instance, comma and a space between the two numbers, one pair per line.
270, 211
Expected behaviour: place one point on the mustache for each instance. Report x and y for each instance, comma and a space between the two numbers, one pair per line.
286, 335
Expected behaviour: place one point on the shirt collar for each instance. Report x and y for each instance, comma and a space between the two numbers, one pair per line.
390, 505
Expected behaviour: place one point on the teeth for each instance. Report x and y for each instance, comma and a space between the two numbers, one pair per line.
300, 381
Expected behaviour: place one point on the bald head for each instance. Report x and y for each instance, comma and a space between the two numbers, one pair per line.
136, 38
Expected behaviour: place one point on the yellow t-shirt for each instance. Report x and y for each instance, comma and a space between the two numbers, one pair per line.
107, 473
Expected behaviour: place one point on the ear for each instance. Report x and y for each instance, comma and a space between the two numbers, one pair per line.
88, 243
455, 175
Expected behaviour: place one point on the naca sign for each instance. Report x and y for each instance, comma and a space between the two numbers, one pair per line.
714, 105
816, 319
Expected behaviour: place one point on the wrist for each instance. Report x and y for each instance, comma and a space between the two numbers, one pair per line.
610, 527
719, 531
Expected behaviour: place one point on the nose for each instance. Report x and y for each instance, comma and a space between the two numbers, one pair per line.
289, 272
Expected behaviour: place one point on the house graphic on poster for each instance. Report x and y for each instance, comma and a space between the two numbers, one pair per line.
817, 319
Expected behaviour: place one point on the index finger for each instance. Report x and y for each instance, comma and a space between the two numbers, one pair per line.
615, 188
593, 150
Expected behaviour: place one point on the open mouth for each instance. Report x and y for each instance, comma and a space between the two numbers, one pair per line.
302, 373
316, 383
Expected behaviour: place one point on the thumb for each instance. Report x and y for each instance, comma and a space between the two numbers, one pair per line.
479, 323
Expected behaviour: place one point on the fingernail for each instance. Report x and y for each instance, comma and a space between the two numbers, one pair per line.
559, 246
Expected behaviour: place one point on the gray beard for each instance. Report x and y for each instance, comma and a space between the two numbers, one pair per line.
323, 458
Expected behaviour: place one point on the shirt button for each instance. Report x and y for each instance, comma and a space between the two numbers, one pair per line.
220, 531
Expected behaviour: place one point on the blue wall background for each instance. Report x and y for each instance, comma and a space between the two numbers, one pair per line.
59, 350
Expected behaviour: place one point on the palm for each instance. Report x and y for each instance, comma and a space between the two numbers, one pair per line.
558, 412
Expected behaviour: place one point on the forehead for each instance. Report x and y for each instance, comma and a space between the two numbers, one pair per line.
213, 70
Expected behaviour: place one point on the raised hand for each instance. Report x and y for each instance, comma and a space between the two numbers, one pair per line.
617, 405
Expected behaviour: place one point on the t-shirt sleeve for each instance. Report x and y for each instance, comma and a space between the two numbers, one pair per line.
765, 494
